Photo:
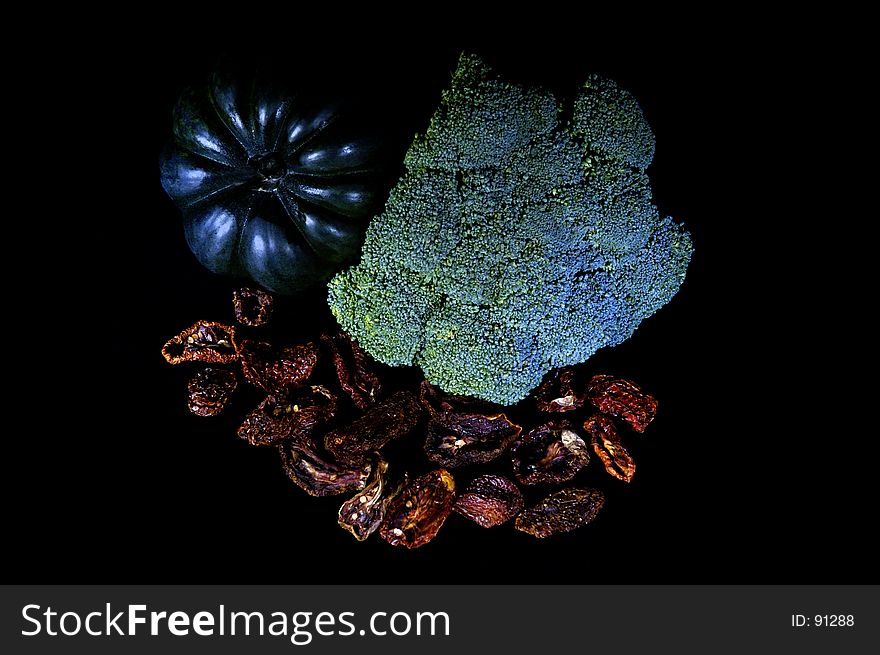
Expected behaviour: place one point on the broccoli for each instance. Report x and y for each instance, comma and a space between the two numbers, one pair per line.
516, 241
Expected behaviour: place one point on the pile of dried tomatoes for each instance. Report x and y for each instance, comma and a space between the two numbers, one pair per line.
332, 441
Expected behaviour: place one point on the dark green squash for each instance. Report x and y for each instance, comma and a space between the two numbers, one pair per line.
275, 187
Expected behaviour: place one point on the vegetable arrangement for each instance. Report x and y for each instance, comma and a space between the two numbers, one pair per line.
521, 238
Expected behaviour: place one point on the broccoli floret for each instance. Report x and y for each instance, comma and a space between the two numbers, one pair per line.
514, 243
609, 121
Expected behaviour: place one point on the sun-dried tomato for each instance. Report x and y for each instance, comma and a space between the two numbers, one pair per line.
319, 476
363, 514
277, 371
203, 341
607, 445
549, 454
252, 307
490, 500
437, 402
558, 392
297, 417
355, 369
457, 439
209, 391
561, 511
622, 399
432, 399
417, 513
391, 419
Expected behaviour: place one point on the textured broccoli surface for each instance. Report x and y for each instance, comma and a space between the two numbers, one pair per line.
515, 242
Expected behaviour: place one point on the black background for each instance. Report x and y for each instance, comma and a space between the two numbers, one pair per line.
124, 485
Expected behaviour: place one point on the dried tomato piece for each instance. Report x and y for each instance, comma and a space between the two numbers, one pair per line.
607, 445
437, 402
363, 514
252, 307
203, 341
557, 392
623, 399
391, 419
432, 399
209, 391
490, 500
319, 476
296, 417
561, 511
550, 453
458, 439
418, 512
354, 368
277, 371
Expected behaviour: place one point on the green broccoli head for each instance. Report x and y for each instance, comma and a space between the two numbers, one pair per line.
514, 243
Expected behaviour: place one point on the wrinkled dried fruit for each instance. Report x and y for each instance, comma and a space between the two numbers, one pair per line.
418, 512
203, 341
458, 439
363, 514
319, 476
550, 454
209, 391
296, 417
277, 371
432, 399
490, 500
252, 307
391, 419
355, 369
437, 402
623, 399
607, 445
561, 511
557, 392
